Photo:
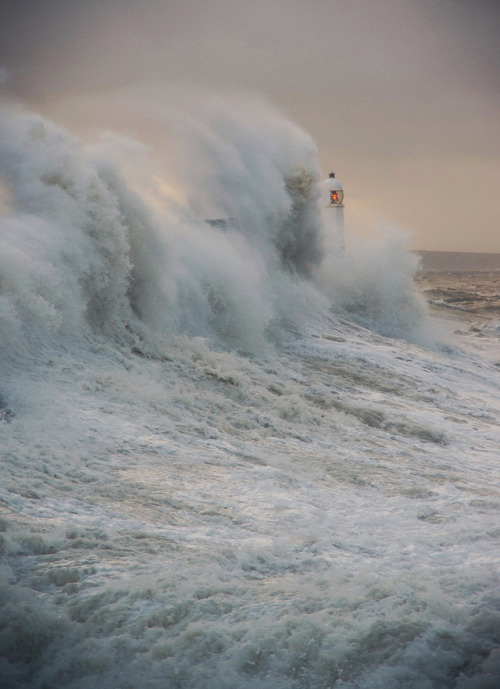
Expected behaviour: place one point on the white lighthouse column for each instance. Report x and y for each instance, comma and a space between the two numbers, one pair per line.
333, 212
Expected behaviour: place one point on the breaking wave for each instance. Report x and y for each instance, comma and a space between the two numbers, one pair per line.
84, 251
373, 286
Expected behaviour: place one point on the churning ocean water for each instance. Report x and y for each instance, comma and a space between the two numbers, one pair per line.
231, 458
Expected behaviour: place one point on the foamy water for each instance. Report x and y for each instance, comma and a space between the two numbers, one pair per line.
231, 458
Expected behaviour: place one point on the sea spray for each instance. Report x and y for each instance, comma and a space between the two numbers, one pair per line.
98, 257
242, 159
373, 285
64, 233
90, 250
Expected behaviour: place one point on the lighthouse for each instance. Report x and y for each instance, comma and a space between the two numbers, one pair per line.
333, 211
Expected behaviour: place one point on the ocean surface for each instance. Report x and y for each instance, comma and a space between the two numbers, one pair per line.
231, 458
466, 283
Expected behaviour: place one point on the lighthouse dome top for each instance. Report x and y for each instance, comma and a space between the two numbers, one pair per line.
331, 182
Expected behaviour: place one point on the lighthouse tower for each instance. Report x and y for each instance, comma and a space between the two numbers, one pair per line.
333, 211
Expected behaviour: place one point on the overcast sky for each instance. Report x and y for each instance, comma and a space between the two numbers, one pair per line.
402, 97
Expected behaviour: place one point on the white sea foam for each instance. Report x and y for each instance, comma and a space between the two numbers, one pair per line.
217, 469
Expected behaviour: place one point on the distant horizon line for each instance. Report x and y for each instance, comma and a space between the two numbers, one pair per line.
448, 251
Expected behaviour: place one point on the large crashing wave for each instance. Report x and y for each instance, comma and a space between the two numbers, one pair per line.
80, 250
83, 253
66, 250
252, 165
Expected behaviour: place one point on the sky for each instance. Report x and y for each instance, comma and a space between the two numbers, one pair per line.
402, 97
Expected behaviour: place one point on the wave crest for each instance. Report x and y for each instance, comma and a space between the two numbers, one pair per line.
83, 251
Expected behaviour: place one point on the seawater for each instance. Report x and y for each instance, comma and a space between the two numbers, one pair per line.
232, 458
465, 282
463, 292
